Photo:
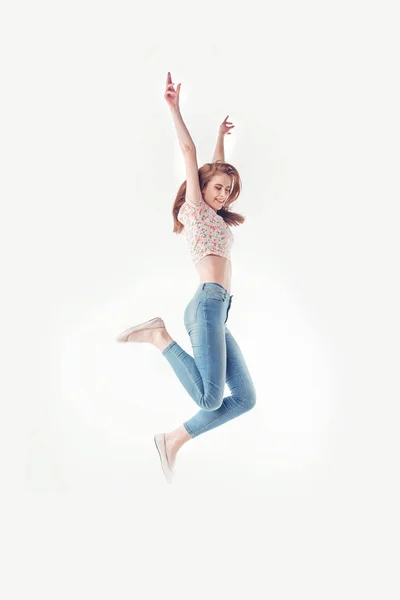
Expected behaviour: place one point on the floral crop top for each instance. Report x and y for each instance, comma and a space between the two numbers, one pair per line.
206, 231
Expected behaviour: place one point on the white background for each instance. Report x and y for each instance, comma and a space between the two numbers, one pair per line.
297, 498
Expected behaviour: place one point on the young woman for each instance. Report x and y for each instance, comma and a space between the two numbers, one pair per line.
201, 208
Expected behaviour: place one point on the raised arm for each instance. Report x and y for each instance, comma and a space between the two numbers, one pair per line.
219, 153
172, 98
184, 137
193, 192
224, 128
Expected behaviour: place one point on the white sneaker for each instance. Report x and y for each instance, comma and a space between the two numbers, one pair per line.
159, 440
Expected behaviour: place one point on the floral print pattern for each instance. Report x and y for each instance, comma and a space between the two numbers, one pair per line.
206, 231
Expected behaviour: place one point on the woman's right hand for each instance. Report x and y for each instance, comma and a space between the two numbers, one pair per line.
172, 96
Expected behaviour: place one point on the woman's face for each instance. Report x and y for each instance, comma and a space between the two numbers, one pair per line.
217, 191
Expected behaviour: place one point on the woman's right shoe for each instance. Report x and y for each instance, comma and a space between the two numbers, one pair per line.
159, 440
156, 323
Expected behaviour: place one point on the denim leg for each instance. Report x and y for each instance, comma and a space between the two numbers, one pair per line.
203, 375
217, 359
243, 394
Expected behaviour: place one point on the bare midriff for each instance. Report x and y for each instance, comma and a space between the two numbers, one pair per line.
215, 269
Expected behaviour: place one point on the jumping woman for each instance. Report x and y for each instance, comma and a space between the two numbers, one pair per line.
202, 210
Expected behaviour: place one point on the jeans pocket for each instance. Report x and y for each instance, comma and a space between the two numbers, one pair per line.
191, 311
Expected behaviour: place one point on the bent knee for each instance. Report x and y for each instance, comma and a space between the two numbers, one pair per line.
211, 402
250, 401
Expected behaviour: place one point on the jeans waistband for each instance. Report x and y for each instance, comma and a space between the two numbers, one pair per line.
211, 284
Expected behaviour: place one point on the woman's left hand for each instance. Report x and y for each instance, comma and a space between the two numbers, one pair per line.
224, 127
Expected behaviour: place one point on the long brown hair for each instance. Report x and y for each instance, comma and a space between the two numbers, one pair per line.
206, 173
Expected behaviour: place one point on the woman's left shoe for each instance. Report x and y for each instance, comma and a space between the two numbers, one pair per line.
159, 440
156, 323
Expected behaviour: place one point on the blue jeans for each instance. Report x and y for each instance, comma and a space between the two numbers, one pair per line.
216, 360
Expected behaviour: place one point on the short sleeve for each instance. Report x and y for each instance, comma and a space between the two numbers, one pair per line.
189, 213
193, 210
193, 204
